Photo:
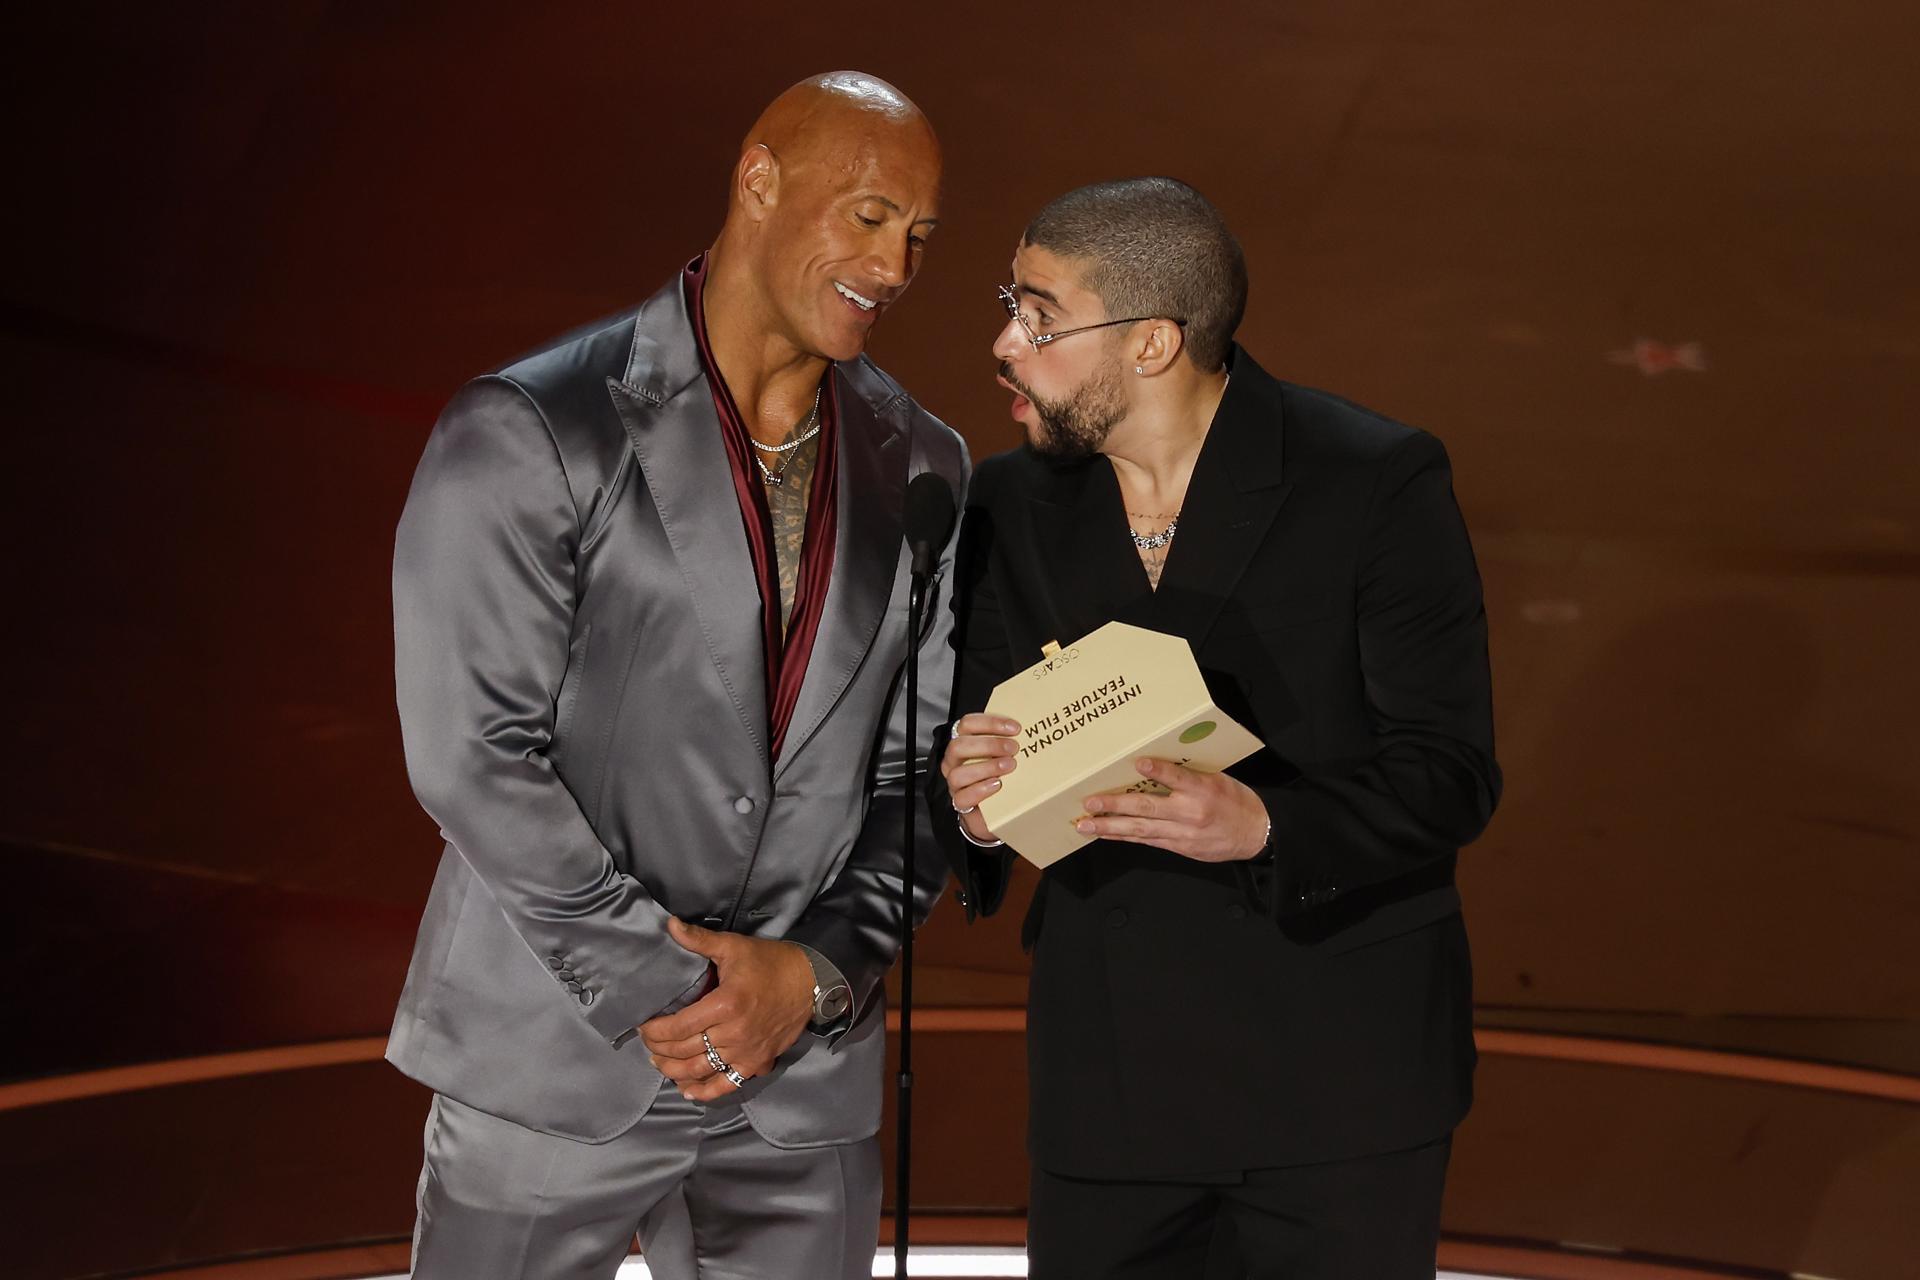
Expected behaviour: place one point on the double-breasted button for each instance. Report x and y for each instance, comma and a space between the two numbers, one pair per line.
565, 975
1116, 918
743, 805
586, 997
576, 988
555, 962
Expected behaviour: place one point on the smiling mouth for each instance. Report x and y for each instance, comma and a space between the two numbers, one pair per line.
858, 300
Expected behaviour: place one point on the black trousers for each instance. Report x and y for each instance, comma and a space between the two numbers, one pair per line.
1376, 1218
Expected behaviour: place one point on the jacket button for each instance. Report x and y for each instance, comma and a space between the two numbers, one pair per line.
565, 975
555, 962
586, 997
743, 806
1236, 912
576, 988
1117, 918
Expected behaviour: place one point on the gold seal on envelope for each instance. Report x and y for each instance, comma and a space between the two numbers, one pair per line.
1086, 713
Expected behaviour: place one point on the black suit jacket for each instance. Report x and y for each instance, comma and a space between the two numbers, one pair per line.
1188, 1020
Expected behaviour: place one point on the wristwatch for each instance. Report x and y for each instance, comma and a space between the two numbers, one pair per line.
831, 994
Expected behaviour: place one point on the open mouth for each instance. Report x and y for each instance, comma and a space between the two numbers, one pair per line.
862, 302
1020, 398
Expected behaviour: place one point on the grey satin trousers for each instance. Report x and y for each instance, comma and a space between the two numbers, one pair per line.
710, 1199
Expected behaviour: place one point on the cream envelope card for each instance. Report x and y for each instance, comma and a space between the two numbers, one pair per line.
1087, 712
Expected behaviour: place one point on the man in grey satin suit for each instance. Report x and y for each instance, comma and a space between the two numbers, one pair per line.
650, 601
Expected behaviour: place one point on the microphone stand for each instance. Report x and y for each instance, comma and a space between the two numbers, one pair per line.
903, 1106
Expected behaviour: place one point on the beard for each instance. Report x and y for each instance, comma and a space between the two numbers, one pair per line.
1073, 428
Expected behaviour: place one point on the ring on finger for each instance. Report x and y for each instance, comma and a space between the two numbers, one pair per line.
734, 1077
714, 1060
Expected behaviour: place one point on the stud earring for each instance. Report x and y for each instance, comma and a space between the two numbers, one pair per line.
1139, 368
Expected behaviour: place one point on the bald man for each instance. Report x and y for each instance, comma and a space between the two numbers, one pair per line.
650, 620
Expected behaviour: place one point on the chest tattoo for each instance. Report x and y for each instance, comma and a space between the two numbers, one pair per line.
1153, 562
787, 504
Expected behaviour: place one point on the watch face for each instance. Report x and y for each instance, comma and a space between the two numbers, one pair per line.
832, 1003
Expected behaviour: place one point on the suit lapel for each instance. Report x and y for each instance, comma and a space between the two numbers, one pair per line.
867, 545
1080, 531
1235, 493
666, 405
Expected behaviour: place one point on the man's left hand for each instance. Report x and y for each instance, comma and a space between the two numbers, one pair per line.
755, 1013
1208, 817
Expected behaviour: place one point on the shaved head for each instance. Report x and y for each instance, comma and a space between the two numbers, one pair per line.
833, 197
843, 95
834, 118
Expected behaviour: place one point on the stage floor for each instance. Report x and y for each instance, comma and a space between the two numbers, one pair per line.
967, 1263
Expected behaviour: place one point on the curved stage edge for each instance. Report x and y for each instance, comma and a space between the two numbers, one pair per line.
985, 1240
1594, 1050
1459, 1260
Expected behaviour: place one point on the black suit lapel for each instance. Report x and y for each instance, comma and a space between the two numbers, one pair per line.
1092, 573
1232, 499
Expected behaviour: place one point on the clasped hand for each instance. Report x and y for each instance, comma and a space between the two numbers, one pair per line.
755, 1012
1208, 817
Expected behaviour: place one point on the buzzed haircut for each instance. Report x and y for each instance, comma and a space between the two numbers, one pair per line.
1153, 247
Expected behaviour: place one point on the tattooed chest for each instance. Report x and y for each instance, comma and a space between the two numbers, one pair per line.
787, 504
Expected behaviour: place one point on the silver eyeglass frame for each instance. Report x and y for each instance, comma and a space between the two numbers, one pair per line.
1010, 300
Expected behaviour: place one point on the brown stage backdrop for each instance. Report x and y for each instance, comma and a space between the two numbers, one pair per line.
1648, 268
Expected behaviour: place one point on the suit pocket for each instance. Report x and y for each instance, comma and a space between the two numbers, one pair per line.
570, 683
1392, 919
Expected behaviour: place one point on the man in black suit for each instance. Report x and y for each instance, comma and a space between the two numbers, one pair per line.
1250, 1010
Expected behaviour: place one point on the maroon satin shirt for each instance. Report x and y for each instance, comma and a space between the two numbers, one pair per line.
786, 657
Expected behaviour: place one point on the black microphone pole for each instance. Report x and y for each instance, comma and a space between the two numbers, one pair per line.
928, 520
903, 1104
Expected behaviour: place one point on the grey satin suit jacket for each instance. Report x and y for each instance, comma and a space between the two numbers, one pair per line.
581, 692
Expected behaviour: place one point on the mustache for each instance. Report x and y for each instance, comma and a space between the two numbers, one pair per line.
1006, 372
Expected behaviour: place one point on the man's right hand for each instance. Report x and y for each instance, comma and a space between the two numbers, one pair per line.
980, 753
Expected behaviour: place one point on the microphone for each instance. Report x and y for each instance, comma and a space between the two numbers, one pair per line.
929, 519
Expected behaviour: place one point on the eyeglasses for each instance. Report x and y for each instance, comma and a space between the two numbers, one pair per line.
1010, 299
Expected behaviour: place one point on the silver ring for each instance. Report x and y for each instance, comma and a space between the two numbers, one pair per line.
714, 1059
969, 809
735, 1077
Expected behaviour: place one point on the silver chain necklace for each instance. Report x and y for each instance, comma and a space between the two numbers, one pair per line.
776, 478
1155, 541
